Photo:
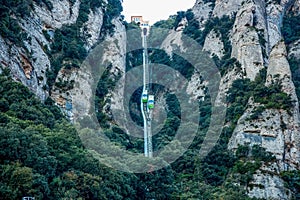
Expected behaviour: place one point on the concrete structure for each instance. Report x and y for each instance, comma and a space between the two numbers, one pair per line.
139, 20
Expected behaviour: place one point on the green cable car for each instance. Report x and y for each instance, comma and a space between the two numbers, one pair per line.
145, 96
151, 102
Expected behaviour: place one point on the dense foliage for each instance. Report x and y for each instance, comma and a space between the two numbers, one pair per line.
42, 155
291, 24
291, 28
9, 27
167, 24
292, 181
44, 158
294, 65
268, 97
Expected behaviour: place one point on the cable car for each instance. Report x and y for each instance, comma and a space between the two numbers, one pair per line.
145, 31
151, 102
145, 96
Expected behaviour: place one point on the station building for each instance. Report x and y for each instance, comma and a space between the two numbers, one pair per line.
141, 22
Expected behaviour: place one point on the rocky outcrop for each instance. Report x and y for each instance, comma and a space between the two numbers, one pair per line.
257, 44
226, 7
30, 63
63, 12
27, 64
214, 45
294, 50
91, 29
202, 11
182, 24
268, 132
249, 26
279, 70
85, 79
115, 54
196, 87
66, 78
275, 130
275, 190
275, 13
173, 38
296, 7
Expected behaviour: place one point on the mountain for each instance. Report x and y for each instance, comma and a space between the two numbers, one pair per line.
254, 44
262, 42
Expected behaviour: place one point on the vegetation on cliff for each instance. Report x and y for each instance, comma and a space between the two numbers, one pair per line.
43, 156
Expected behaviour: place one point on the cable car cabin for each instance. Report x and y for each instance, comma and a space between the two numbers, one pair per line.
151, 102
145, 31
145, 96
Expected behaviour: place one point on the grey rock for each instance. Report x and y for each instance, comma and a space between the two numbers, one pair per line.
202, 11
62, 13
214, 45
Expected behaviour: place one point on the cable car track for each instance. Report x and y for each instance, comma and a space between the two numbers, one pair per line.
147, 100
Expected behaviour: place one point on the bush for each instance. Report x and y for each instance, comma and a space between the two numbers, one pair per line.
292, 182
260, 153
291, 28
270, 97
294, 65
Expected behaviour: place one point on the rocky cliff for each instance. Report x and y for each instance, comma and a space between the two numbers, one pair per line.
57, 37
257, 43
29, 62
246, 35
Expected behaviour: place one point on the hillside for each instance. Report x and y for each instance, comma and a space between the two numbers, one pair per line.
52, 51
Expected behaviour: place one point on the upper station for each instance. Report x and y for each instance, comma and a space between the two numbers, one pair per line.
142, 23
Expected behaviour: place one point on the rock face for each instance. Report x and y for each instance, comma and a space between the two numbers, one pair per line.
92, 27
279, 70
257, 44
116, 56
28, 64
280, 133
202, 11
275, 190
226, 7
63, 96
214, 44
197, 82
63, 12
296, 7
246, 48
173, 38
81, 95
